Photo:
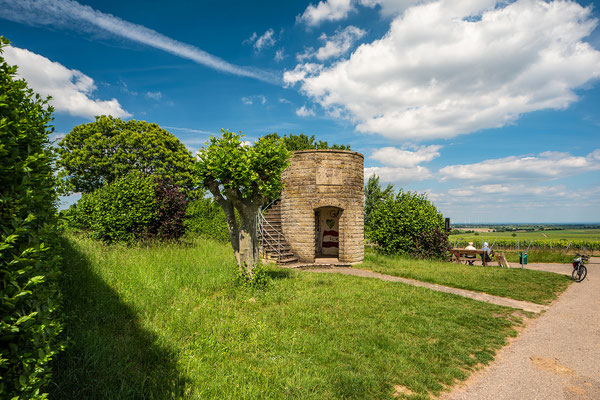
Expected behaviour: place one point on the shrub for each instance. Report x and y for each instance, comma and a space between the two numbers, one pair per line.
171, 205
28, 242
205, 217
119, 211
133, 207
408, 223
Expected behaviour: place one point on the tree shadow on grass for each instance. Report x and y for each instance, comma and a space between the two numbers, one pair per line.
109, 356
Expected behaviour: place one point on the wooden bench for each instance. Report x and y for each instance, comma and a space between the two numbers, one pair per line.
458, 255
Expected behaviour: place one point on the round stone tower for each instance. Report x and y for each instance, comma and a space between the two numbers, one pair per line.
322, 205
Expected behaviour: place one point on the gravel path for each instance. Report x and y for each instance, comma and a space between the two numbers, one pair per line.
488, 298
556, 356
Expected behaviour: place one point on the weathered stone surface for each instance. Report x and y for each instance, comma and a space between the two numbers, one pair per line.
324, 178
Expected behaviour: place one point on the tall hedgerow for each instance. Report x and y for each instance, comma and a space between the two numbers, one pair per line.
29, 257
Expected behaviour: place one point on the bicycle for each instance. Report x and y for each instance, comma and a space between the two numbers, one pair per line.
579, 269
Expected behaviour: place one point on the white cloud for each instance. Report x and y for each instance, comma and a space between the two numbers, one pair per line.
154, 95
189, 130
547, 165
395, 157
452, 67
399, 175
70, 89
326, 10
301, 72
72, 15
254, 99
279, 55
263, 41
518, 202
335, 45
401, 165
305, 112
335, 10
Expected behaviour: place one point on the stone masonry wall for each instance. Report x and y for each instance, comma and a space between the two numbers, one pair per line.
318, 178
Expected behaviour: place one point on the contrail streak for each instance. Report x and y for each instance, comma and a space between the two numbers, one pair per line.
69, 13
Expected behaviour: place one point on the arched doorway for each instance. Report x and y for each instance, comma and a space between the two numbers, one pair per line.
327, 231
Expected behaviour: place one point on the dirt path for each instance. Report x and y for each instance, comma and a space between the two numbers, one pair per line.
488, 298
557, 356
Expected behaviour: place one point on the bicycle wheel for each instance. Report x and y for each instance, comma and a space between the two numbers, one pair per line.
579, 274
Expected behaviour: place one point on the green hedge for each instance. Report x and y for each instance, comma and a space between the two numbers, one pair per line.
408, 223
136, 206
205, 217
29, 260
119, 211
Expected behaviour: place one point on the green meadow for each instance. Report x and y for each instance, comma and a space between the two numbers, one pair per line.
168, 321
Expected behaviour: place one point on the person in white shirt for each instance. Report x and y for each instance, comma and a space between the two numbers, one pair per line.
470, 247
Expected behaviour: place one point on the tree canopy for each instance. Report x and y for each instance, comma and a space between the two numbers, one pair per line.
373, 196
99, 152
304, 142
241, 178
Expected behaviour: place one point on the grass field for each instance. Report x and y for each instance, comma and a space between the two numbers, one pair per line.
168, 322
529, 285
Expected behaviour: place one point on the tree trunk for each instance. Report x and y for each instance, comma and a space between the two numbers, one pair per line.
244, 238
248, 239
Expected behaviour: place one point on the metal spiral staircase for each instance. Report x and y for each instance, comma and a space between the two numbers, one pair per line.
273, 244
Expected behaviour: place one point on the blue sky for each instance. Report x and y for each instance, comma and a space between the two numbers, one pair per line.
490, 107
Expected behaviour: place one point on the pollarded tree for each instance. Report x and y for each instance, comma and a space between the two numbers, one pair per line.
99, 152
241, 178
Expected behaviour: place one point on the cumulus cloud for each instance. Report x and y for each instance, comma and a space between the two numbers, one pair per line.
399, 175
395, 157
335, 10
326, 10
453, 67
305, 112
263, 41
72, 15
70, 89
335, 45
547, 165
401, 165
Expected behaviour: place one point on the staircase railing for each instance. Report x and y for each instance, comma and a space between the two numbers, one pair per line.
267, 239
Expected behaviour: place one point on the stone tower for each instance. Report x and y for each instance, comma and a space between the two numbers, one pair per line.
322, 205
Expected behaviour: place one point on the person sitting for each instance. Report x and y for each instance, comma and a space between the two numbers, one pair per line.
470, 247
488, 252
